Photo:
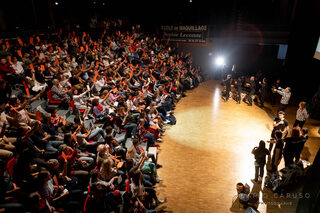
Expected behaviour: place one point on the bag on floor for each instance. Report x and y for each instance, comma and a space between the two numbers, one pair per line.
172, 119
224, 93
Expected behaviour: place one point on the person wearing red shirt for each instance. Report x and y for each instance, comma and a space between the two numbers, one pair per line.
6, 69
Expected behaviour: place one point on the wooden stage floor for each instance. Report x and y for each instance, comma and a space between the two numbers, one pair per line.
209, 150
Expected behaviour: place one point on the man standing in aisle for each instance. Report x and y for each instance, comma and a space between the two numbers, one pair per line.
262, 91
252, 86
239, 89
279, 124
286, 94
227, 83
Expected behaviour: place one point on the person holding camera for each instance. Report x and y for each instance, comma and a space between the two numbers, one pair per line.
286, 94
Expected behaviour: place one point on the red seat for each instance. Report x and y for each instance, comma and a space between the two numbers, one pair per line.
88, 196
86, 200
51, 101
72, 105
10, 166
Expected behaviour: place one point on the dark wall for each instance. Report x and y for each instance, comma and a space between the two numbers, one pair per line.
311, 202
247, 58
302, 68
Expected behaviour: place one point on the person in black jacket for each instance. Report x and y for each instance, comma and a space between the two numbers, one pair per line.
274, 94
260, 154
277, 151
239, 88
252, 85
303, 139
227, 83
292, 145
262, 91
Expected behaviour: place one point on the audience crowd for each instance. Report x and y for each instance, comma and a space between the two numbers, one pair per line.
119, 84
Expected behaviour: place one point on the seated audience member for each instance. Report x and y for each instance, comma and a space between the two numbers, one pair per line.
59, 94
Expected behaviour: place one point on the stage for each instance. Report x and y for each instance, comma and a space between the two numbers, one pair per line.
208, 152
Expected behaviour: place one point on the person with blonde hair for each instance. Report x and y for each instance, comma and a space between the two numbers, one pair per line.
102, 154
301, 116
107, 170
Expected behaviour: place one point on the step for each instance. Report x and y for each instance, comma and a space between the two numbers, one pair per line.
37, 103
64, 113
52, 106
120, 137
16, 93
87, 123
70, 118
100, 139
129, 143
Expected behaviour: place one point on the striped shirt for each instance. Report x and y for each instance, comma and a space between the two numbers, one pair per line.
285, 96
302, 115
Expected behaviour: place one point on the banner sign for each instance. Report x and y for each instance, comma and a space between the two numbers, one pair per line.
189, 33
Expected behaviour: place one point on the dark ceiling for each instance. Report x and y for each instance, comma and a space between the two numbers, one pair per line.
36, 13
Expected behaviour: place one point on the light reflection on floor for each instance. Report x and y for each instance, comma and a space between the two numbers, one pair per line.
209, 150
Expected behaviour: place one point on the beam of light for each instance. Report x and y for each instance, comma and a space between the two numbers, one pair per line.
216, 100
220, 61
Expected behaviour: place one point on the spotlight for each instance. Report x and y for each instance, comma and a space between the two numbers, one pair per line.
220, 61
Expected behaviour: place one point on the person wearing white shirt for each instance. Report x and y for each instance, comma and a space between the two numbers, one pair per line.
100, 83
17, 66
130, 103
78, 99
301, 116
286, 94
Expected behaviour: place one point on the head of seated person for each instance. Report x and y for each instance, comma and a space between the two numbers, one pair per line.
109, 130
55, 82
95, 102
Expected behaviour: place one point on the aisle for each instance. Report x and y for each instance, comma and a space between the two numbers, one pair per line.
209, 150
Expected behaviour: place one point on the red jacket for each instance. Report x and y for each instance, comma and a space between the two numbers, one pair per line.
5, 69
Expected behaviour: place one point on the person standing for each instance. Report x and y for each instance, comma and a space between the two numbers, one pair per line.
260, 154
262, 91
6, 71
303, 139
301, 115
279, 124
286, 94
227, 83
252, 86
274, 92
291, 147
277, 152
238, 84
